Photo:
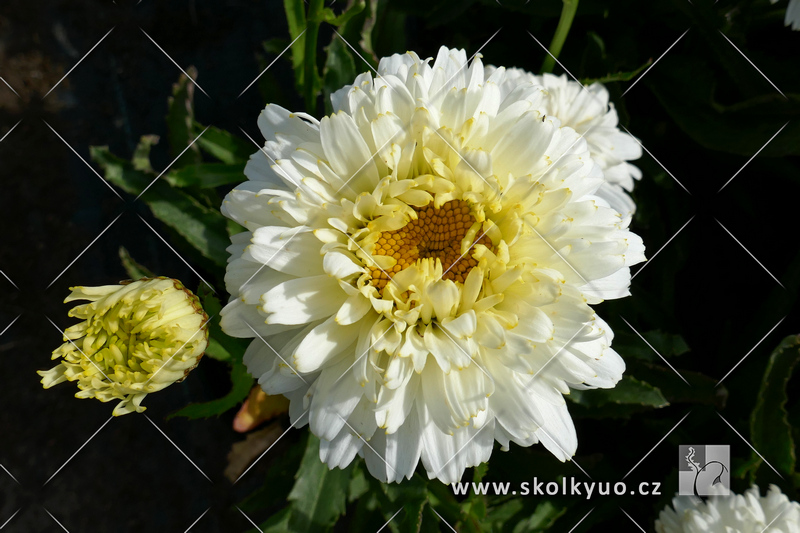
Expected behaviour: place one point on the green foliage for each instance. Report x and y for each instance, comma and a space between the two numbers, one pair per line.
770, 431
629, 391
180, 119
225, 348
340, 69
222, 348
202, 227
207, 175
241, 383
319, 494
134, 269
224, 146
630, 345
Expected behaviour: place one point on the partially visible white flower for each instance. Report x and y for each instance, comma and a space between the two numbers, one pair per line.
424, 261
134, 338
589, 112
746, 513
792, 14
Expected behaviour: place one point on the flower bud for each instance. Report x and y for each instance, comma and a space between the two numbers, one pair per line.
134, 338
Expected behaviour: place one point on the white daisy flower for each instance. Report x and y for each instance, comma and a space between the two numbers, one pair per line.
419, 268
792, 17
746, 513
589, 112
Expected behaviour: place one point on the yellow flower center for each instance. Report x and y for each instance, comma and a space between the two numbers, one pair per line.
436, 233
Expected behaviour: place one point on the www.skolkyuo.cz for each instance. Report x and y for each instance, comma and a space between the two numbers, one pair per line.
569, 486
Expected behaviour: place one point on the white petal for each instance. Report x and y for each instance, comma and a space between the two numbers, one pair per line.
323, 344
302, 300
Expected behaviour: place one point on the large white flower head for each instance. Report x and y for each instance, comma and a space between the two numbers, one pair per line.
587, 110
736, 513
418, 268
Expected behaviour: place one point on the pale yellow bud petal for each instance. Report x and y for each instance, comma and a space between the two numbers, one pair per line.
135, 338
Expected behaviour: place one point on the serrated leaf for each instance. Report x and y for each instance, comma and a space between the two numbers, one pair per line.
413, 517
319, 493
224, 146
134, 269
207, 176
618, 76
241, 383
629, 390
353, 9
141, 155
770, 431
180, 116
202, 227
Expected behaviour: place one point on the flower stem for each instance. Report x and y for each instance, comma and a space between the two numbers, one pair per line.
564, 24
311, 76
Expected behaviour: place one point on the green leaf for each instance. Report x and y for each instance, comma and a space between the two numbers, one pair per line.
340, 69
275, 45
413, 517
296, 17
479, 472
241, 383
618, 76
701, 390
141, 155
217, 351
667, 344
542, 519
628, 391
202, 227
352, 10
207, 176
277, 523
499, 515
311, 78
319, 493
358, 483
278, 479
134, 269
180, 116
224, 146
367, 42
224, 347
770, 431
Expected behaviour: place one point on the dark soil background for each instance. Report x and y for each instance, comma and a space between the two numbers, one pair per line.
129, 477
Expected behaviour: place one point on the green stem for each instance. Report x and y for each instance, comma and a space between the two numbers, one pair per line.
564, 24
311, 77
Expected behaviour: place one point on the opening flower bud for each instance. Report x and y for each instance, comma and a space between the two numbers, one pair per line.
134, 338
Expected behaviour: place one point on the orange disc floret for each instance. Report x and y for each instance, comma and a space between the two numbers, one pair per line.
437, 234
